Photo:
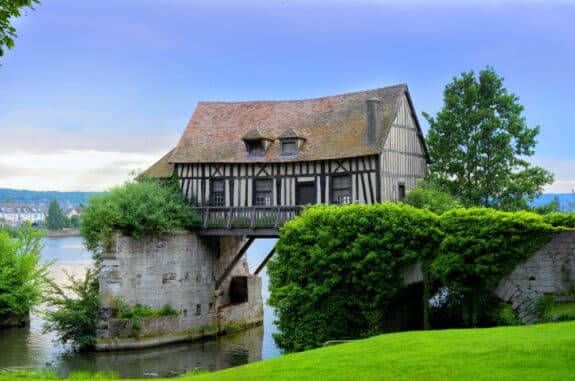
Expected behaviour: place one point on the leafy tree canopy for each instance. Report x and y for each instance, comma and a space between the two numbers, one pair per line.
56, 219
479, 143
22, 276
8, 10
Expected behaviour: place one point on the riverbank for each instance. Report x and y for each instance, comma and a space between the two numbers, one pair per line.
535, 352
63, 233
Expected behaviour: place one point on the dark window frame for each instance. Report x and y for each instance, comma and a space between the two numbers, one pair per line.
217, 198
256, 147
283, 142
304, 184
401, 191
260, 194
345, 191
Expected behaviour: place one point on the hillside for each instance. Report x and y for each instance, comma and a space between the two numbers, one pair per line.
44, 197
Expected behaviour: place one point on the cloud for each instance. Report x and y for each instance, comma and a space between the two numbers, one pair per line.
72, 170
563, 170
50, 140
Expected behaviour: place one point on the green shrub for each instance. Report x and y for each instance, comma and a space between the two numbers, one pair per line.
560, 219
22, 276
145, 206
481, 246
337, 267
428, 196
124, 311
76, 310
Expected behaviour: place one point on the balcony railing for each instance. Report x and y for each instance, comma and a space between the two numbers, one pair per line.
248, 217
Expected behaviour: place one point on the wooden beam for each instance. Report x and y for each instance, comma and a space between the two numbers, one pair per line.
234, 261
265, 261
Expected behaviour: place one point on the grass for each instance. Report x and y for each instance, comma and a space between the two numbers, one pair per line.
536, 352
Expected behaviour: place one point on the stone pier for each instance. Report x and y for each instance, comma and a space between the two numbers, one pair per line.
178, 269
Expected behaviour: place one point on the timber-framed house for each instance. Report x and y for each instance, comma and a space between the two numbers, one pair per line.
257, 163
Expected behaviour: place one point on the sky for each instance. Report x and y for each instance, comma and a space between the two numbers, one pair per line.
97, 90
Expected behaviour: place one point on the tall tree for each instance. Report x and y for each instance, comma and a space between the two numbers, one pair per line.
8, 10
479, 143
56, 219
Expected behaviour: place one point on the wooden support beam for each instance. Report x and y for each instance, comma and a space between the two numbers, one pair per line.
234, 262
265, 261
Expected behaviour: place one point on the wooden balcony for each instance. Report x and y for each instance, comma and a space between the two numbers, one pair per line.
252, 221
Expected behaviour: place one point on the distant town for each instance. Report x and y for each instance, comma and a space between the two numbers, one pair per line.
20, 206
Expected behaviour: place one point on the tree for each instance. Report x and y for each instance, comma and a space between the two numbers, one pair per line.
426, 195
56, 219
22, 276
8, 10
479, 143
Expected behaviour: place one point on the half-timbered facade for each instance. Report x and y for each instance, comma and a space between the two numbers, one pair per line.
361, 147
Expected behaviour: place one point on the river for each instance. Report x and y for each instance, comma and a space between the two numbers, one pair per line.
29, 347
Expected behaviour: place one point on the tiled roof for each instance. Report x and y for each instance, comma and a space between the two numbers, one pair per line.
334, 127
161, 168
290, 133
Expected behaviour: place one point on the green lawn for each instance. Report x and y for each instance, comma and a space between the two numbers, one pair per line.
537, 352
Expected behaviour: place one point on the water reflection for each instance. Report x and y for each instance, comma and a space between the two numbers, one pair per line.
172, 360
29, 347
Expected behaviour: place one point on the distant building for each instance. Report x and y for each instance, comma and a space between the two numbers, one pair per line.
71, 212
16, 214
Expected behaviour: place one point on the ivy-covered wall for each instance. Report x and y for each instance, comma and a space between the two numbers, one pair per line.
337, 268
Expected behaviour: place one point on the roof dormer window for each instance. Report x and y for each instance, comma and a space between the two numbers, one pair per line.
289, 147
257, 143
290, 142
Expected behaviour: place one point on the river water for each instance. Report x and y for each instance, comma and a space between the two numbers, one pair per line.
29, 347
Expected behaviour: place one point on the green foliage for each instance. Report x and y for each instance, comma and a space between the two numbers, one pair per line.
124, 311
427, 195
75, 222
75, 310
479, 143
10, 9
146, 206
56, 219
560, 219
480, 246
22, 276
336, 268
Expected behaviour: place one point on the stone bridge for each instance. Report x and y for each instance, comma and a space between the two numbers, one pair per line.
205, 277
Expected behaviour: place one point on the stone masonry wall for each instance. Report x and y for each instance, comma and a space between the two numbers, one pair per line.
541, 274
168, 268
243, 314
179, 269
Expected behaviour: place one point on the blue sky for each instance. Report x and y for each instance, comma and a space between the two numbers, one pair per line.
96, 89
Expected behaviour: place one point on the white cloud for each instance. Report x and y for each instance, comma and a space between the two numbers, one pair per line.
71, 170
51, 140
563, 170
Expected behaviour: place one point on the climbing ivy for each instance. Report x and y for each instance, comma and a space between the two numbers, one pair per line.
479, 247
336, 268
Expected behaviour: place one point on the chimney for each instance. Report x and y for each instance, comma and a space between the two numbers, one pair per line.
374, 119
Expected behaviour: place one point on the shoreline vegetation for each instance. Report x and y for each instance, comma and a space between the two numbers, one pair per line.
533, 352
62, 233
